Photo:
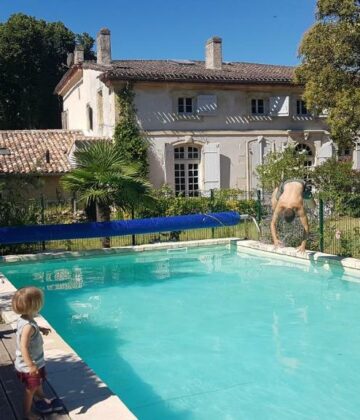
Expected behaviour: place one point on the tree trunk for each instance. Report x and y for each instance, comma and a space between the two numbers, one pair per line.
103, 215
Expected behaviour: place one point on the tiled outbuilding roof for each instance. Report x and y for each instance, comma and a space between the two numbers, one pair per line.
194, 71
37, 151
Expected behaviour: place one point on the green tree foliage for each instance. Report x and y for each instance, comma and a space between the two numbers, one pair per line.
128, 139
87, 42
32, 61
280, 166
330, 68
338, 185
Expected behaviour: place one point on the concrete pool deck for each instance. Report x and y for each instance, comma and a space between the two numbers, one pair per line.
85, 395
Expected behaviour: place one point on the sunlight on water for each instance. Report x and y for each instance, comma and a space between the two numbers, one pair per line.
209, 334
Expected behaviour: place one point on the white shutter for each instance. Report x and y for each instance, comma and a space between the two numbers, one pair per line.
356, 158
206, 104
211, 159
326, 152
169, 168
279, 106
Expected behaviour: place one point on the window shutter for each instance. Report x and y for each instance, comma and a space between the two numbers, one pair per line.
326, 152
356, 157
206, 104
211, 158
169, 167
279, 106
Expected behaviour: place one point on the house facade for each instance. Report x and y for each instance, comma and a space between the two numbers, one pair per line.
209, 123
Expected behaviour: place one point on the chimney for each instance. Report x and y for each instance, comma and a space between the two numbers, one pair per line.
78, 54
70, 59
213, 53
103, 47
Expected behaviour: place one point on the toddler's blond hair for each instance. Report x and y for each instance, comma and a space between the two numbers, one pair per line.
27, 300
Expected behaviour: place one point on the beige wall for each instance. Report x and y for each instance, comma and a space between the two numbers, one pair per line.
156, 108
239, 153
86, 92
243, 139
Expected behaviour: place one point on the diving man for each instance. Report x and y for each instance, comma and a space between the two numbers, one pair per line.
288, 201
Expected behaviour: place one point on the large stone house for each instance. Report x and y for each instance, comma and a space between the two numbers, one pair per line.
209, 123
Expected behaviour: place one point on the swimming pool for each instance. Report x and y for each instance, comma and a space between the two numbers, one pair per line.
207, 333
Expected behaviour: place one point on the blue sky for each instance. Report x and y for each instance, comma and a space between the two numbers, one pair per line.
261, 31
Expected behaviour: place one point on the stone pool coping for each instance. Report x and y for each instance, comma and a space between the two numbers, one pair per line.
113, 251
85, 395
347, 264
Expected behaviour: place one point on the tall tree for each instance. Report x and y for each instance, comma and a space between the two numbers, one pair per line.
32, 61
330, 69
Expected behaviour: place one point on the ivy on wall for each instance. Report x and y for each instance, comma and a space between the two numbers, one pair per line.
128, 139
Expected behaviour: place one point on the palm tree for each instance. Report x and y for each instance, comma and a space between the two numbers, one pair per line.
103, 178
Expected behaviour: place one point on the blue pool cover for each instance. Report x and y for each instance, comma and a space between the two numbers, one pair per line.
39, 233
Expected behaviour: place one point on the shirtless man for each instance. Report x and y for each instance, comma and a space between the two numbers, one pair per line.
288, 201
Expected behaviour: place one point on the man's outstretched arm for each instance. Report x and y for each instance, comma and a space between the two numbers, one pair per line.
304, 221
273, 226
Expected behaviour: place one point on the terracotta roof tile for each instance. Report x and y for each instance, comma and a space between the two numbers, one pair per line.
37, 151
195, 71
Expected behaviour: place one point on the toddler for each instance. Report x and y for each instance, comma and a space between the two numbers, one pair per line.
29, 362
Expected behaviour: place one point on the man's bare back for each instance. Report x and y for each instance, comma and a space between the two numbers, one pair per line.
288, 201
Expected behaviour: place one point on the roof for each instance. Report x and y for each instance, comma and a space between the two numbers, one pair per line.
43, 152
193, 71
184, 71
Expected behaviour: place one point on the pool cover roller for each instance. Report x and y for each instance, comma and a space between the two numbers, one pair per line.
40, 233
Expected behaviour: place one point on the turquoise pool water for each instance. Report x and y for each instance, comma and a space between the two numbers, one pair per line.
209, 334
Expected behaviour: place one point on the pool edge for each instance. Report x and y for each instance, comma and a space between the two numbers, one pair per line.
113, 251
348, 264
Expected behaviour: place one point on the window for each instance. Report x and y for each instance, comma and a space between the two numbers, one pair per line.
185, 105
90, 121
100, 108
345, 154
301, 107
187, 160
257, 106
302, 148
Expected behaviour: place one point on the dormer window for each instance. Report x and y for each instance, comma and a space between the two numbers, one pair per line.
4, 151
185, 105
257, 107
301, 107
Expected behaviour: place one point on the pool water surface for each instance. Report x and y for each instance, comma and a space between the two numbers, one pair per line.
207, 333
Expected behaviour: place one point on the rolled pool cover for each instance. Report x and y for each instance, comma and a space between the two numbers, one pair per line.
40, 233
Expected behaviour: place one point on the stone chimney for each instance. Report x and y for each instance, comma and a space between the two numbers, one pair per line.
213, 53
103, 46
78, 54
70, 59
